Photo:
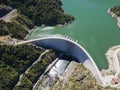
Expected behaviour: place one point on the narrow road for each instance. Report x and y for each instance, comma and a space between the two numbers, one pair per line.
46, 51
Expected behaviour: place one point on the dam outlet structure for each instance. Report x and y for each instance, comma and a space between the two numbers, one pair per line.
72, 48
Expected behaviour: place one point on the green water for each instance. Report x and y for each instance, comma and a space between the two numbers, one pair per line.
94, 28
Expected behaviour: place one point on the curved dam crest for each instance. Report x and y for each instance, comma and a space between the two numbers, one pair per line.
93, 27
71, 48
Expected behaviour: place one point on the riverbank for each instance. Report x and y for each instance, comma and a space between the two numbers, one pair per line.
113, 72
113, 58
114, 16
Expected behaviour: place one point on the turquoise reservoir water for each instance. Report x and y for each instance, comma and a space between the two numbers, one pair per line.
94, 28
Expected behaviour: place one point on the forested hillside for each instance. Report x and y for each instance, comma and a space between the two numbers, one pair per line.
14, 60
13, 29
48, 12
17, 27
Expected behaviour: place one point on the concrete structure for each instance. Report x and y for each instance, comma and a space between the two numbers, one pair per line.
72, 48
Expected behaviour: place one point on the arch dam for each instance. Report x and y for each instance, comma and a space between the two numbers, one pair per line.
72, 48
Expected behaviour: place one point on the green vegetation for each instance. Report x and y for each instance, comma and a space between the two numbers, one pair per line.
19, 57
14, 60
18, 27
25, 84
116, 10
48, 12
29, 14
81, 79
24, 21
14, 29
8, 77
17, 31
36, 70
4, 30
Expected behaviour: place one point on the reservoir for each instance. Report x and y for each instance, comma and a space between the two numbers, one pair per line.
93, 27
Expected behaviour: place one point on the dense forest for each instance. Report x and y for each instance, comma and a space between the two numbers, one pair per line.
14, 60
48, 12
32, 75
18, 27
31, 13
15, 30
116, 10
80, 79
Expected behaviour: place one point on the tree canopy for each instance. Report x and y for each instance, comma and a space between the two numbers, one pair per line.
13, 61
14, 29
116, 10
48, 12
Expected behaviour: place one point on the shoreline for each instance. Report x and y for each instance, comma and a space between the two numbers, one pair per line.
114, 16
43, 25
113, 58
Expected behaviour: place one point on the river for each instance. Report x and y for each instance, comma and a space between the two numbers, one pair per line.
94, 28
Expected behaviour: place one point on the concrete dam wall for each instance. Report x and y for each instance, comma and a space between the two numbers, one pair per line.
70, 47
63, 46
